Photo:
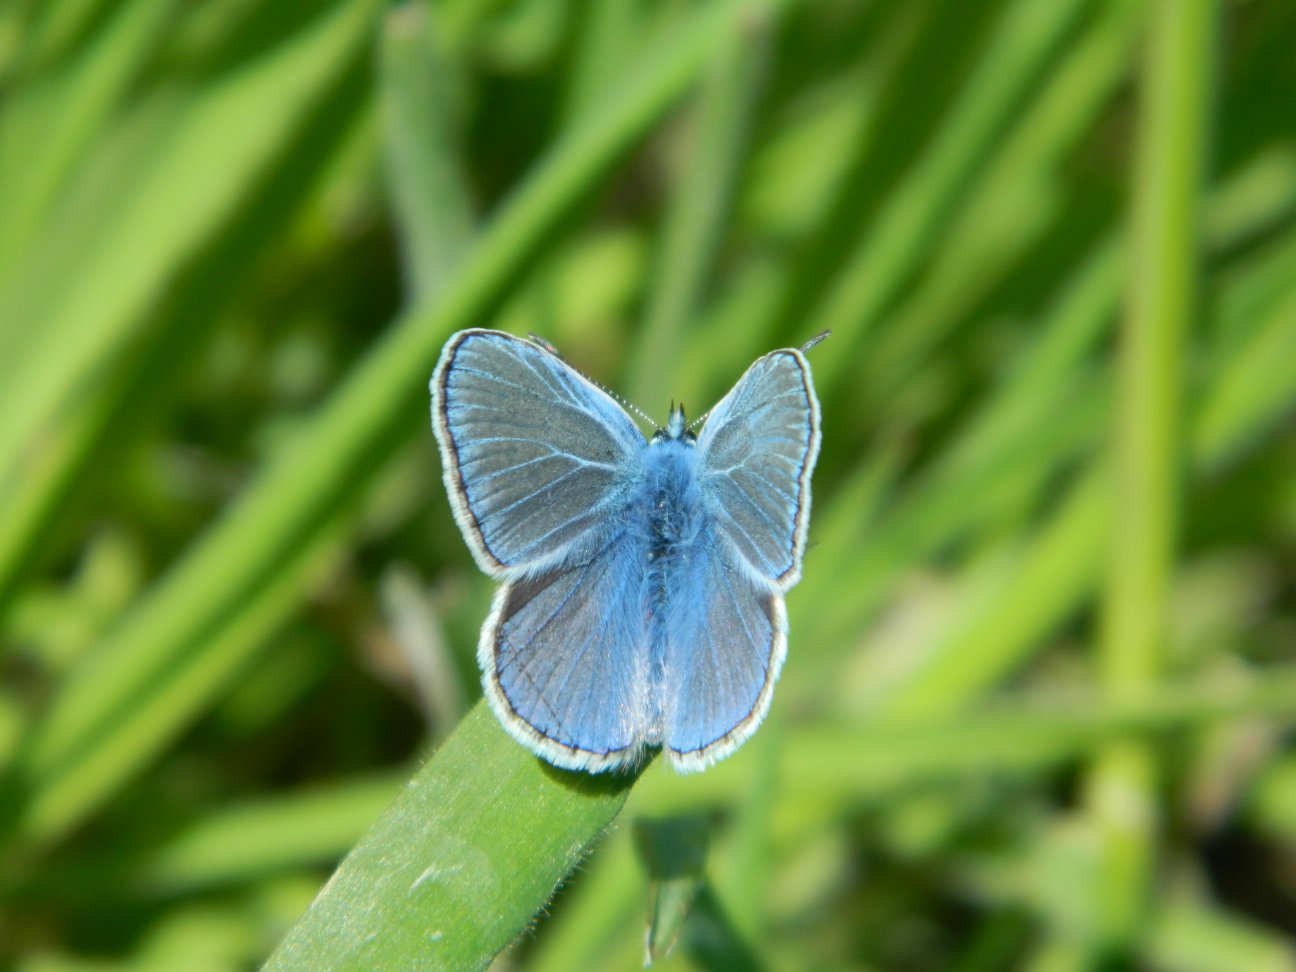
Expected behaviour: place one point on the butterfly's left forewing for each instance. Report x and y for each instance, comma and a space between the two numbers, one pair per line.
538, 460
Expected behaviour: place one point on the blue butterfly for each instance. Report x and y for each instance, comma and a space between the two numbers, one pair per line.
642, 582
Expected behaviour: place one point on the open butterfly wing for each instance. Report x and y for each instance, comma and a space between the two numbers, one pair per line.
536, 457
725, 650
565, 658
756, 453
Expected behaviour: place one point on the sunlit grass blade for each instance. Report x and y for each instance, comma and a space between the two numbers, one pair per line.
432, 202
43, 135
258, 838
695, 222
124, 403
871, 758
160, 702
1024, 601
78, 317
230, 846
1149, 445
1271, 804
798, 179
459, 864
1046, 412
52, 29
607, 898
1010, 209
1194, 935
1254, 392
1014, 58
1011, 432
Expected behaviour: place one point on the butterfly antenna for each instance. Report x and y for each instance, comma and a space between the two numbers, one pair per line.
541, 342
817, 339
537, 340
627, 405
636, 410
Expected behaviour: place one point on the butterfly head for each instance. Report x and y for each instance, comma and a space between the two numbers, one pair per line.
676, 428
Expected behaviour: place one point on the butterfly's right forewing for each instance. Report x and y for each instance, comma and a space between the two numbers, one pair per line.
538, 461
756, 453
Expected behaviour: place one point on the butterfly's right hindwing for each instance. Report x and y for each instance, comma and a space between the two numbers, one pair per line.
538, 461
726, 647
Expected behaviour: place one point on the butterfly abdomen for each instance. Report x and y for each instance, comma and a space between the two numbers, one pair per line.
671, 512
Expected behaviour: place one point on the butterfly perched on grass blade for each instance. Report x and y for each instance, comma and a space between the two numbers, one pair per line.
642, 580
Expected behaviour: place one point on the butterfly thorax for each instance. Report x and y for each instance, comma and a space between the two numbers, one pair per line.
676, 430
671, 500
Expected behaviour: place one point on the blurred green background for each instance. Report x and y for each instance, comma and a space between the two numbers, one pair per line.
1038, 703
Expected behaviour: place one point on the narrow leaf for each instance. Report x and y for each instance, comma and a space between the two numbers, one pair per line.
455, 869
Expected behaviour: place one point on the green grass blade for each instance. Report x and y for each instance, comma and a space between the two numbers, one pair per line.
1014, 58
457, 867
1044, 584
52, 29
432, 202
1149, 444
126, 402
1044, 413
162, 702
1014, 203
695, 223
69, 331
871, 758
1271, 804
229, 847
673, 853
257, 838
42, 138
606, 38
608, 898
1253, 393
1193, 935
1014, 427
1161, 306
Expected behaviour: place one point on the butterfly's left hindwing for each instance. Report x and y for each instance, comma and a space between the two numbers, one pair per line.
537, 459
565, 658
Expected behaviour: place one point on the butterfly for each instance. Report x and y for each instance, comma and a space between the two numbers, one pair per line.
641, 580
